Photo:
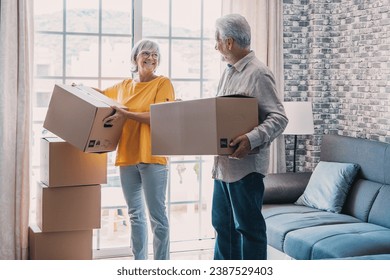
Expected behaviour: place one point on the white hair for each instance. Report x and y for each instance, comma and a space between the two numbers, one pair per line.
140, 46
234, 26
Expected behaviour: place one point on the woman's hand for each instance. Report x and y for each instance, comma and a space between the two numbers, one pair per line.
119, 114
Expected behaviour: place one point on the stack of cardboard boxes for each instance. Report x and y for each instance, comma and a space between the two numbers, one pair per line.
68, 202
73, 168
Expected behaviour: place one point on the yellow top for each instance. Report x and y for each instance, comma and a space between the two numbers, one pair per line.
135, 143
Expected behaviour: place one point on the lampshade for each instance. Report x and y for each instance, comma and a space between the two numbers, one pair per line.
300, 118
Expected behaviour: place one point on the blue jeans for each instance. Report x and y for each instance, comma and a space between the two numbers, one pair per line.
147, 183
237, 219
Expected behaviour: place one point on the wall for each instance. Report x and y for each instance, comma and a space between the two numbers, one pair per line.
337, 55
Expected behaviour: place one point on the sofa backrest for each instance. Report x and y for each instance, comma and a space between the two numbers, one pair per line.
372, 156
369, 197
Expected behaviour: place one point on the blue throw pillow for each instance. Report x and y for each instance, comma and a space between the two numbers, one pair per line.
328, 186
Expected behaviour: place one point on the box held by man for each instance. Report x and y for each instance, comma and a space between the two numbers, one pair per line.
203, 126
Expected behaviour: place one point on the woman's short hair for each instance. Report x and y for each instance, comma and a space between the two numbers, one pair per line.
234, 26
143, 45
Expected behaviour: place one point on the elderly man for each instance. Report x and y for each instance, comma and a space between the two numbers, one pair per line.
238, 179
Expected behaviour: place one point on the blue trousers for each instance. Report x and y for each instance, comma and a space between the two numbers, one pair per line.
145, 185
237, 219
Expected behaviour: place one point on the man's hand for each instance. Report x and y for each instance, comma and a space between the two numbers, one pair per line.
243, 147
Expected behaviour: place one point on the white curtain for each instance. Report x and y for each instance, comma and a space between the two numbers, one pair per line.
15, 86
266, 20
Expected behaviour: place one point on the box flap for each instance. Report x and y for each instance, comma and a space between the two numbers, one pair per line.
53, 139
82, 95
235, 96
35, 228
99, 96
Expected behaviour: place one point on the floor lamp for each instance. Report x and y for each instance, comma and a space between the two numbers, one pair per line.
300, 121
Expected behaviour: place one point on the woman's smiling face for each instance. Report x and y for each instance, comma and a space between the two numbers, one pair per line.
147, 60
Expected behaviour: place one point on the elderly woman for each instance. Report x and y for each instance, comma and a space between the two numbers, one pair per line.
142, 175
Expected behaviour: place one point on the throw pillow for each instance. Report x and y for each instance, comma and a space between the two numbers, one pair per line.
328, 186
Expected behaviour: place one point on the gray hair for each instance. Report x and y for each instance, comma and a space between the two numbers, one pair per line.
234, 26
143, 45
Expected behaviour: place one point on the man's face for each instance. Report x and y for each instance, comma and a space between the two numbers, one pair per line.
221, 46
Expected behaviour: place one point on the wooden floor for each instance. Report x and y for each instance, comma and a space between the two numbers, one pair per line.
187, 255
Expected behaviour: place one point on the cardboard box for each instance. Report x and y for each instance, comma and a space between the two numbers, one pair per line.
62, 164
201, 127
68, 208
76, 114
68, 245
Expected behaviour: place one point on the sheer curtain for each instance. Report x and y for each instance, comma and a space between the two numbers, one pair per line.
266, 20
15, 87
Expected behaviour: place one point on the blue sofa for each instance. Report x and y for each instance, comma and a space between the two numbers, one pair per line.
360, 231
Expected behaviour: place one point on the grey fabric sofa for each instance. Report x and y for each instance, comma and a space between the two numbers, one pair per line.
360, 231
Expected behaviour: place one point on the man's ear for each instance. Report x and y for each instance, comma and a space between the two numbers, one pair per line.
229, 42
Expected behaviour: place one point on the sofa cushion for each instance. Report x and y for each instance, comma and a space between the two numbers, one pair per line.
282, 219
328, 186
360, 199
337, 241
368, 257
270, 210
386, 165
380, 209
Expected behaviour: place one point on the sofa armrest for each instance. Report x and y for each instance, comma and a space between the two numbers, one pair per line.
284, 187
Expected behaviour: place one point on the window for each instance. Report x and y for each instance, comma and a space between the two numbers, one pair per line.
89, 43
